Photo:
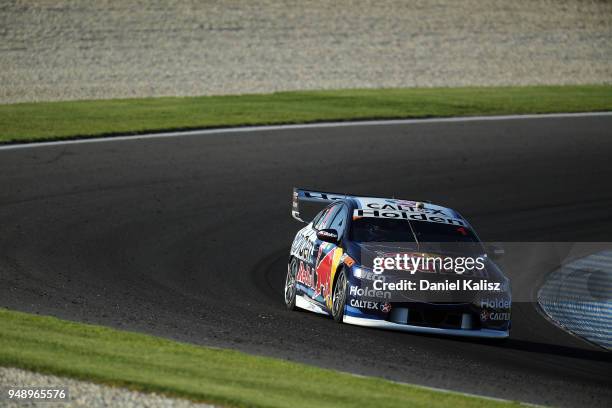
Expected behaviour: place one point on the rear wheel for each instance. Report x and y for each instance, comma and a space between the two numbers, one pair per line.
339, 296
290, 284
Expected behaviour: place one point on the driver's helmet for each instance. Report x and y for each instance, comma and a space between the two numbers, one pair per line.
376, 232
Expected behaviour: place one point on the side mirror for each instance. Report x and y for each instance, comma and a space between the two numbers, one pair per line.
495, 251
328, 235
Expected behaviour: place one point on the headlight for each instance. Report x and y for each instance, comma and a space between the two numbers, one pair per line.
360, 272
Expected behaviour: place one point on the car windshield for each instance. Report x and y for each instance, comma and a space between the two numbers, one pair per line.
393, 230
438, 232
446, 238
381, 230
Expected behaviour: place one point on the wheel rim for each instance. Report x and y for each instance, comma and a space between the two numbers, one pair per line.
339, 293
290, 282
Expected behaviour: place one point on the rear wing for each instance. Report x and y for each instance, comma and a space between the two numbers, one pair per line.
301, 195
323, 197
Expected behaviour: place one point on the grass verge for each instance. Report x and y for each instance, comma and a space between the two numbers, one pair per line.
147, 363
63, 120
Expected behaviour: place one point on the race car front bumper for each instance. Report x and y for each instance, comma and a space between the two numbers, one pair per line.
384, 324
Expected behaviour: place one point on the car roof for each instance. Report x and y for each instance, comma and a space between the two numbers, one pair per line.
400, 208
383, 207
399, 204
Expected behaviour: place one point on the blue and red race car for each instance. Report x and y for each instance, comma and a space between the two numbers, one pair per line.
335, 267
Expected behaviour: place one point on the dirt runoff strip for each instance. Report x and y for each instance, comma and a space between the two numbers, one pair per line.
81, 394
93, 49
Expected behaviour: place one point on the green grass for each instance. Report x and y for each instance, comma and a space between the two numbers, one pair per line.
62, 120
227, 377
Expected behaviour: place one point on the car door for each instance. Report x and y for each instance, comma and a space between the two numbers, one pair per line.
306, 250
327, 255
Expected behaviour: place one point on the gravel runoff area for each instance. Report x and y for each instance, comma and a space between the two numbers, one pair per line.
84, 394
93, 49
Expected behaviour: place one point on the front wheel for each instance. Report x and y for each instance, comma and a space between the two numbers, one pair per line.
290, 284
339, 296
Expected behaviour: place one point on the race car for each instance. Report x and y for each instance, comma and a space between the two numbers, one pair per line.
346, 263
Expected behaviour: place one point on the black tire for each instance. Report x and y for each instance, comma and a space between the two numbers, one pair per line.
339, 296
290, 284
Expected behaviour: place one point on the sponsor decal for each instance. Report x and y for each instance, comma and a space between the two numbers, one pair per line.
369, 305
405, 203
487, 315
490, 308
368, 292
294, 202
328, 234
336, 257
367, 274
303, 246
305, 275
313, 195
495, 303
318, 278
295, 206
323, 272
364, 304
406, 206
430, 215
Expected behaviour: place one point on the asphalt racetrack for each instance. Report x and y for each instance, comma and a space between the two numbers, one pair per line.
188, 237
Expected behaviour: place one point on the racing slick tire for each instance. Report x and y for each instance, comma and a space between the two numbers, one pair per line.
290, 284
339, 296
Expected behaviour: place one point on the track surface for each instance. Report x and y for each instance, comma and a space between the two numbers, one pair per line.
188, 237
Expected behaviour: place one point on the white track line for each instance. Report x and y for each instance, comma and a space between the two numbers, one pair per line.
247, 129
